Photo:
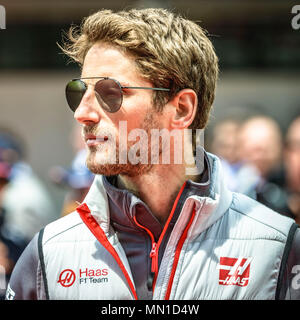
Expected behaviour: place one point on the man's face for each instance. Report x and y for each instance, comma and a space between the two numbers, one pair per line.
292, 157
101, 130
260, 146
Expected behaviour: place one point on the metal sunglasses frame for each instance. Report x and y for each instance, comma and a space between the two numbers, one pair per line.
120, 86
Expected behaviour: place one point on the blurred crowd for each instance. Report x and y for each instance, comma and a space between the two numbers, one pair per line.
261, 161
25, 206
258, 160
25, 203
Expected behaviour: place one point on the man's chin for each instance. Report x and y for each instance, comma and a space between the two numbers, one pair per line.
129, 170
105, 169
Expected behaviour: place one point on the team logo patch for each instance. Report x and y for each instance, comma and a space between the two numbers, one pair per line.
67, 278
84, 276
234, 271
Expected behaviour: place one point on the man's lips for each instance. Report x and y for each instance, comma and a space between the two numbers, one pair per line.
91, 139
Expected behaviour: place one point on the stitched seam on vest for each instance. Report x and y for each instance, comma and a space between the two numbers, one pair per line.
57, 234
265, 224
71, 241
243, 239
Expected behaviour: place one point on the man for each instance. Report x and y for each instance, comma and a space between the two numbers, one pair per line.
33, 208
153, 229
11, 244
292, 167
260, 145
238, 175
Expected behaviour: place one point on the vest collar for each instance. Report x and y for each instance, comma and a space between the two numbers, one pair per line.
211, 197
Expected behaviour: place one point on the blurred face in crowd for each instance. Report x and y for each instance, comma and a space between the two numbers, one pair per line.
5, 171
292, 156
224, 142
259, 144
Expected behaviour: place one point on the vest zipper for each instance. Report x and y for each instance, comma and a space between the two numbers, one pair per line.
154, 266
95, 228
153, 256
155, 245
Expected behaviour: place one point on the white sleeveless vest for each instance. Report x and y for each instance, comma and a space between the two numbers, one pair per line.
224, 246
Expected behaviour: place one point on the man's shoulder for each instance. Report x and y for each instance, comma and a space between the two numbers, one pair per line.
260, 215
64, 226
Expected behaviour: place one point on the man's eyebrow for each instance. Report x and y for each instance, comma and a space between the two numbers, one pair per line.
93, 79
124, 83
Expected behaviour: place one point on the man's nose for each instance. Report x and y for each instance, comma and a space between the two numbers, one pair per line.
88, 110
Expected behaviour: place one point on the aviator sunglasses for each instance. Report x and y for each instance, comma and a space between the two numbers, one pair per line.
108, 92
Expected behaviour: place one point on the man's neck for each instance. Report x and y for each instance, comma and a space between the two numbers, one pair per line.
157, 188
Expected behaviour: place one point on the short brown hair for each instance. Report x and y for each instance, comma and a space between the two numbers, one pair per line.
169, 51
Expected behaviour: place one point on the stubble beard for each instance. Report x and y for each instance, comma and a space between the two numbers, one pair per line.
127, 169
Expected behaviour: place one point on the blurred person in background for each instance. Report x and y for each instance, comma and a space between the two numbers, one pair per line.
26, 201
260, 145
292, 167
224, 139
78, 178
11, 244
239, 176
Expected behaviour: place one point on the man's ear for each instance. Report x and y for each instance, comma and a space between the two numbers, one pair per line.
185, 107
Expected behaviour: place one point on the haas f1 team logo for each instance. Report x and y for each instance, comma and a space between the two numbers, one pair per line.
85, 276
234, 271
67, 278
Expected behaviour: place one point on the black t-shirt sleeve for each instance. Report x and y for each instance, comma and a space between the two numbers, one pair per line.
23, 284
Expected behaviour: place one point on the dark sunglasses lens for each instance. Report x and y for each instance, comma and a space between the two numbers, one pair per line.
109, 95
75, 90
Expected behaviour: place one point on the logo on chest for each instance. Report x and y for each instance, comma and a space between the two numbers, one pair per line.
67, 277
234, 271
